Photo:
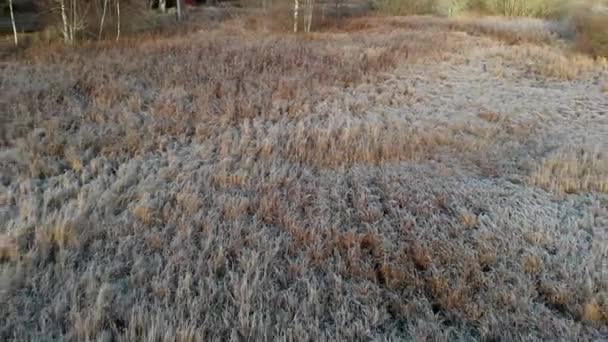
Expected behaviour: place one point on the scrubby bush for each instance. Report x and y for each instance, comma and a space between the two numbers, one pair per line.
591, 20
451, 7
407, 7
520, 8
511, 8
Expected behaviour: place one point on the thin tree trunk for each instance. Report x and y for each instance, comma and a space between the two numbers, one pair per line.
322, 13
308, 15
64, 19
178, 5
117, 19
338, 11
312, 14
296, 6
103, 18
265, 11
73, 28
162, 5
10, 5
305, 14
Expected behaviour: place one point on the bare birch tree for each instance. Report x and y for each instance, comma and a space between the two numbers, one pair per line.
103, 18
311, 14
73, 19
162, 5
265, 11
308, 15
178, 5
10, 5
64, 20
296, 5
117, 19
305, 14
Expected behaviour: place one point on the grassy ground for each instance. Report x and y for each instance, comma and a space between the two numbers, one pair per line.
407, 178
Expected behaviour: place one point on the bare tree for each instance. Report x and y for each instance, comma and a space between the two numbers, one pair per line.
73, 24
338, 7
10, 5
162, 5
308, 15
117, 19
64, 20
178, 5
296, 5
103, 18
305, 15
265, 11
73, 18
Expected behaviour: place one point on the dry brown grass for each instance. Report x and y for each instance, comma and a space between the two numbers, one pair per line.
236, 185
596, 310
8, 249
573, 171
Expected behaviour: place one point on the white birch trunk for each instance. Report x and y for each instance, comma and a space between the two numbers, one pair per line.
103, 18
305, 19
10, 5
296, 6
178, 5
73, 25
309, 14
162, 5
64, 19
117, 19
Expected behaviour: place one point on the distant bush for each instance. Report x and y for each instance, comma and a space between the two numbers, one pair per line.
407, 7
451, 7
592, 29
510, 8
522, 8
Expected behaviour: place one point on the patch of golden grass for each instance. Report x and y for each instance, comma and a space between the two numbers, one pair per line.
507, 299
487, 257
551, 62
489, 116
573, 171
468, 219
556, 296
145, 214
371, 142
532, 264
74, 159
536, 238
421, 257
563, 67
61, 234
596, 310
235, 207
8, 248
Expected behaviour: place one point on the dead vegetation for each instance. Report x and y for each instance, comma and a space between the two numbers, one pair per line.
404, 179
573, 171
